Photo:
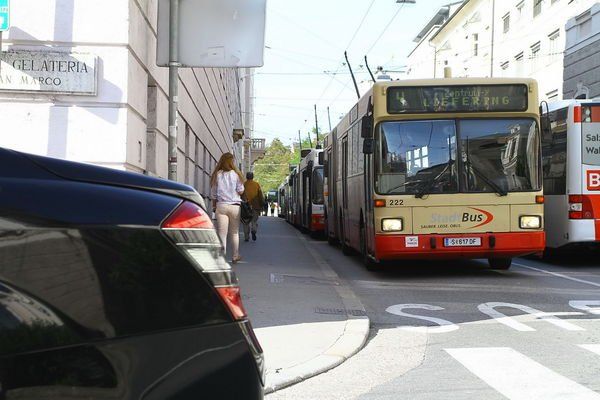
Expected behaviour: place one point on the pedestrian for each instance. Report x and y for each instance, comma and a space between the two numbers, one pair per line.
273, 206
253, 195
266, 206
226, 187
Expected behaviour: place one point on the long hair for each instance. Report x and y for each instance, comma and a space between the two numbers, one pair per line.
225, 164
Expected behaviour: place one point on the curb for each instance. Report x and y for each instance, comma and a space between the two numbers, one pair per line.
353, 339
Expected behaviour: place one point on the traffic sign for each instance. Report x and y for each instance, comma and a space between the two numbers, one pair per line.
4, 15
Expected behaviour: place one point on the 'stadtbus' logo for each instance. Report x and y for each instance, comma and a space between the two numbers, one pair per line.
483, 217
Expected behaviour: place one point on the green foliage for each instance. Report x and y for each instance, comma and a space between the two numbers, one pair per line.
274, 167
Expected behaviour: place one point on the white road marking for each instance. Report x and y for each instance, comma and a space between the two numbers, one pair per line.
518, 377
558, 275
584, 305
444, 325
490, 309
594, 348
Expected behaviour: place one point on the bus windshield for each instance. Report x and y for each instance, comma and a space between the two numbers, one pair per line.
420, 157
317, 186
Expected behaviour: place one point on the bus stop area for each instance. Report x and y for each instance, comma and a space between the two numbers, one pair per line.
305, 317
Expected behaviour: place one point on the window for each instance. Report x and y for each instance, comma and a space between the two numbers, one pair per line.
584, 22
506, 22
520, 8
504, 67
475, 37
537, 7
535, 56
499, 154
416, 156
552, 95
554, 154
553, 48
519, 64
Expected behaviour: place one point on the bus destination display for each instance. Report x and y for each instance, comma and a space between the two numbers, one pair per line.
471, 98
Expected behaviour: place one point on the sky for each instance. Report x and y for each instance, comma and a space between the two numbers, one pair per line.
304, 58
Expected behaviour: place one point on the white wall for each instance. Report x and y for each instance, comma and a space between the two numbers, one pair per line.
126, 115
455, 41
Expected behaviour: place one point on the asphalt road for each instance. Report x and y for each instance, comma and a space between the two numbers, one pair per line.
457, 330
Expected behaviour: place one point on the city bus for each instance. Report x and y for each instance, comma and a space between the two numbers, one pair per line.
310, 202
571, 171
442, 168
281, 199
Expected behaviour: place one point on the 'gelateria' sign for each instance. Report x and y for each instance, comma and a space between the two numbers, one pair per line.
48, 72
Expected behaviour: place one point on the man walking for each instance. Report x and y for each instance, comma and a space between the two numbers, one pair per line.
253, 194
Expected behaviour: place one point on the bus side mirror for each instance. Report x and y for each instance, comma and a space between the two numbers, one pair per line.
366, 128
368, 146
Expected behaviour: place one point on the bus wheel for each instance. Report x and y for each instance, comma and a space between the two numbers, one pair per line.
369, 262
500, 263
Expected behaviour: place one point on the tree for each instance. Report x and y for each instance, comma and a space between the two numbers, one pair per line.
274, 167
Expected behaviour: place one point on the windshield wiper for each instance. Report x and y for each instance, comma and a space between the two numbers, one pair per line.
484, 178
431, 182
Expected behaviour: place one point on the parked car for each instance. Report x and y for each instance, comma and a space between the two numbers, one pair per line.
113, 285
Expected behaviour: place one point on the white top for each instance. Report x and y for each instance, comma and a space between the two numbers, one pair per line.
227, 188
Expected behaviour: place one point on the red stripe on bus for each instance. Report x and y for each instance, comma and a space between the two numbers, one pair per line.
577, 114
508, 244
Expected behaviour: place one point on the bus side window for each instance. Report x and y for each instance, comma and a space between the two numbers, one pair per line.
554, 155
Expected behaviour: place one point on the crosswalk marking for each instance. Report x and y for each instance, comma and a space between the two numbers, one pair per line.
518, 377
595, 348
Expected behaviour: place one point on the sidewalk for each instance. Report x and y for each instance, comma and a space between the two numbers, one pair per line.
297, 305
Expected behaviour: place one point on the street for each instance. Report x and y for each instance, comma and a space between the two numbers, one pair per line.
456, 329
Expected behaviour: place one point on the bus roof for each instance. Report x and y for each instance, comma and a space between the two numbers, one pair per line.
557, 105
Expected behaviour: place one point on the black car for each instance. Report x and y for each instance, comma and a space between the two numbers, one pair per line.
113, 285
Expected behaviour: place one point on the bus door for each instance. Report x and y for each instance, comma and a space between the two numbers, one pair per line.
369, 217
554, 166
333, 190
344, 216
590, 146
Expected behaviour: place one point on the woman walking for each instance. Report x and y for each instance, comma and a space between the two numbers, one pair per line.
226, 187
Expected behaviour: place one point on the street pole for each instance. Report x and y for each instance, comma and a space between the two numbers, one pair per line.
316, 126
299, 139
173, 86
329, 118
492, 47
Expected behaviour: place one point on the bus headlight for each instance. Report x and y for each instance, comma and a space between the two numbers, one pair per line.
391, 224
530, 222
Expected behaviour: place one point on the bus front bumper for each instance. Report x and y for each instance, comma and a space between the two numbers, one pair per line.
507, 244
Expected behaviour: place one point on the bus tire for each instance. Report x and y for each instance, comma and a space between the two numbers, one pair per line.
369, 262
500, 263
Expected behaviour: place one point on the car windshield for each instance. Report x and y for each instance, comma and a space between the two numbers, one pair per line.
317, 186
413, 154
419, 157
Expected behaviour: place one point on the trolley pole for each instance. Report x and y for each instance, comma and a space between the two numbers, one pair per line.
173, 86
316, 126
299, 139
329, 118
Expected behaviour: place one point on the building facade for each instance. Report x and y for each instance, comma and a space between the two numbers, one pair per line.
582, 55
79, 81
503, 38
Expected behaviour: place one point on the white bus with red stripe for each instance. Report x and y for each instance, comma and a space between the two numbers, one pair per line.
571, 168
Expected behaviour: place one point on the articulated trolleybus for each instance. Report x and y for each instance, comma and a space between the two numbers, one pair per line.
445, 168
571, 167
